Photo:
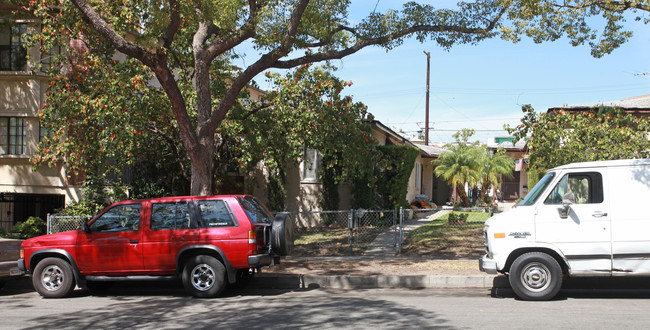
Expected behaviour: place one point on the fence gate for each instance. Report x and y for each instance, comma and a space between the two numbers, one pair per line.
376, 231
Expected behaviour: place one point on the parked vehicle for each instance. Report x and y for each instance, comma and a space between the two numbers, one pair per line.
207, 241
9, 253
581, 219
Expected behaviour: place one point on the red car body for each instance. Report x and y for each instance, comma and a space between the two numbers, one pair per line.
159, 237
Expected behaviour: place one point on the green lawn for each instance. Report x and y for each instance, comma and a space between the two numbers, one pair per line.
442, 238
333, 241
445, 239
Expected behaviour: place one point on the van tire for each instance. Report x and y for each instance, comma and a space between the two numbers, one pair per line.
204, 276
53, 278
535, 276
282, 234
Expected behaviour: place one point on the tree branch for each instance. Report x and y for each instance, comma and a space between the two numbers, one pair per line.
608, 5
338, 54
266, 61
156, 62
174, 24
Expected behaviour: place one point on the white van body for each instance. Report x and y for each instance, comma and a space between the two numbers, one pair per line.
592, 219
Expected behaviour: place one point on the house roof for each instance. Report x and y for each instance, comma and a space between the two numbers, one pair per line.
506, 142
430, 150
425, 151
637, 104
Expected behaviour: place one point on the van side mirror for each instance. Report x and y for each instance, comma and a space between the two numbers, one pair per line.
567, 200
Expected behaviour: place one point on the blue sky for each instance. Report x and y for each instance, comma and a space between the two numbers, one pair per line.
484, 86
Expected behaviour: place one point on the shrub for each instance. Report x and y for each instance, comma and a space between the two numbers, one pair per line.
32, 227
457, 218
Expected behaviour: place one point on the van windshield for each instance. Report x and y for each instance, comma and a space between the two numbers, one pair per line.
539, 188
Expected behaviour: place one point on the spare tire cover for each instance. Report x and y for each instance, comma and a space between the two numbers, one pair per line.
282, 234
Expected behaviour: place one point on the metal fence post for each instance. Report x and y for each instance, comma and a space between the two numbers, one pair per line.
48, 230
351, 226
401, 230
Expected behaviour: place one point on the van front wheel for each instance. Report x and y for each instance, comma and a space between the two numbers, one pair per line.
535, 276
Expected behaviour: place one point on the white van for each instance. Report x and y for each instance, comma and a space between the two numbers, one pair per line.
581, 219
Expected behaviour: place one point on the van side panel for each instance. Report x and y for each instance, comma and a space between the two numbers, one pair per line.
630, 216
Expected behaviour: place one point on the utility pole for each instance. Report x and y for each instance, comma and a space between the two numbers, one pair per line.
426, 120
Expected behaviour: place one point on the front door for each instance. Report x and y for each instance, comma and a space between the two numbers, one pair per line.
584, 234
113, 243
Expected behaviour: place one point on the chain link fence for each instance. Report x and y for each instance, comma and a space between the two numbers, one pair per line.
58, 223
435, 233
323, 233
449, 234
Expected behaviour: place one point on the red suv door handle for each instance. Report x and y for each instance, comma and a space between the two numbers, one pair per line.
133, 241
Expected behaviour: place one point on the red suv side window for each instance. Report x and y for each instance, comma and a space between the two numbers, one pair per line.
124, 217
172, 215
215, 213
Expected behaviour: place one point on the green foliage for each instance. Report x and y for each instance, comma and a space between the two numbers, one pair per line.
600, 24
329, 199
5, 234
461, 165
363, 189
457, 218
393, 175
533, 177
562, 137
277, 191
102, 115
473, 164
306, 110
95, 197
493, 166
32, 227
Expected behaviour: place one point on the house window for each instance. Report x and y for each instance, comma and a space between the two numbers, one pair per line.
48, 58
13, 56
310, 165
12, 136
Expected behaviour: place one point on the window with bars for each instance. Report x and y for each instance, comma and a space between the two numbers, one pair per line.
12, 136
13, 55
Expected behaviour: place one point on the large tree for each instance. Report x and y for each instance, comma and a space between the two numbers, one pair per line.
179, 41
561, 137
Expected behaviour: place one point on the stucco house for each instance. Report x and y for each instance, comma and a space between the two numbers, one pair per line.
24, 192
304, 188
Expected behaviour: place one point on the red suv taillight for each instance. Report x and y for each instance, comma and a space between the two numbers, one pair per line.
252, 241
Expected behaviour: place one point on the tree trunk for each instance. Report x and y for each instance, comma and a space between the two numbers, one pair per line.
460, 190
202, 171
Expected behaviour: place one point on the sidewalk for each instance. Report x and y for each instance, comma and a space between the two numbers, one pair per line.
376, 272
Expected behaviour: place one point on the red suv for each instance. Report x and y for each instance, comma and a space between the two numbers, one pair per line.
207, 241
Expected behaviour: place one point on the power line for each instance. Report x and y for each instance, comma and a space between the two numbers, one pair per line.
451, 121
454, 130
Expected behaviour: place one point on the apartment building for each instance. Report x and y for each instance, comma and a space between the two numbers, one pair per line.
24, 191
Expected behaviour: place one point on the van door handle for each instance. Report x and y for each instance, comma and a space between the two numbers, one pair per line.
598, 214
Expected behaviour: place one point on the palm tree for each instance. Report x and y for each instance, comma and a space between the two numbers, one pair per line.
493, 166
458, 167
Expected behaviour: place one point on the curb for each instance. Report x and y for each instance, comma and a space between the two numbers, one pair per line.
291, 281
